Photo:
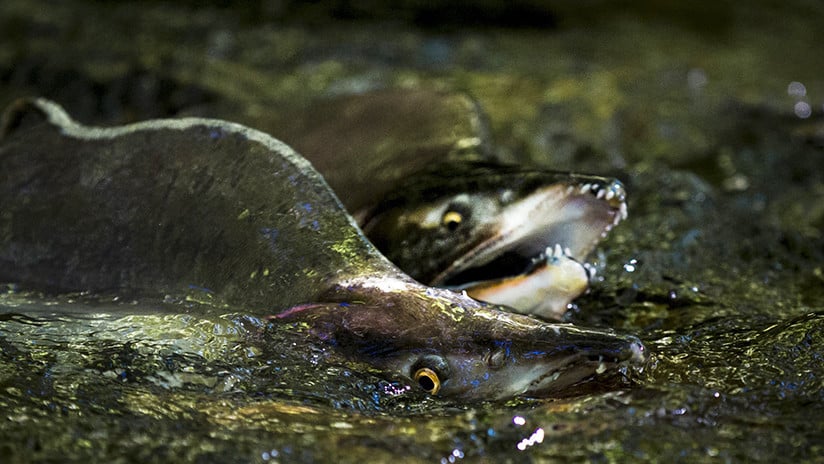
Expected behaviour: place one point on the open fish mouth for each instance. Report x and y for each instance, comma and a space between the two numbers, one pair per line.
544, 289
535, 260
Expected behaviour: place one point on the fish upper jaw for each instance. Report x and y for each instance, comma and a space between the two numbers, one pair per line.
538, 246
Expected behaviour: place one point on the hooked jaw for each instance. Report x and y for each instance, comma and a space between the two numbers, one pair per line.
533, 261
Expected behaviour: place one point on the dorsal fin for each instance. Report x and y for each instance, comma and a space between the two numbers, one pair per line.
167, 204
19, 115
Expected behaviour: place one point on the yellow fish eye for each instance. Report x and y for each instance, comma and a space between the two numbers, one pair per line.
428, 380
452, 219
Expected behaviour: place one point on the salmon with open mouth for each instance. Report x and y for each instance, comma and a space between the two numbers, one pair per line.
504, 234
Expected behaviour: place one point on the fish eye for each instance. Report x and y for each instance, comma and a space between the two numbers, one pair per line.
452, 219
428, 380
430, 371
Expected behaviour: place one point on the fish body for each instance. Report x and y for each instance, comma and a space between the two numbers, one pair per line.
164, 206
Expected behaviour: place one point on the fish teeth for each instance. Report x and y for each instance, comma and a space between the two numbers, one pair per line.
591, 271
623, 212
601, 368
554, 252
570, 189
601, 194
610, 194
585, 188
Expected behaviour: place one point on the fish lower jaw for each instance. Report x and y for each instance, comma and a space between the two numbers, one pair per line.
544, 287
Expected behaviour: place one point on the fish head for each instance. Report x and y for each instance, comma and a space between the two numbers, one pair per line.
505, 234
451, 346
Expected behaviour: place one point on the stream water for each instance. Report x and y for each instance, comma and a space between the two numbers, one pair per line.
712, 115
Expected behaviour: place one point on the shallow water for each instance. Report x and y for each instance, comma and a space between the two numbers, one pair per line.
100, 381
719, 268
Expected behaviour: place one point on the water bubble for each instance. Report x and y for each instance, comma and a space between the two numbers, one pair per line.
518, 420
536, 437
736, 183
803, 110
796, 89
696, 78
